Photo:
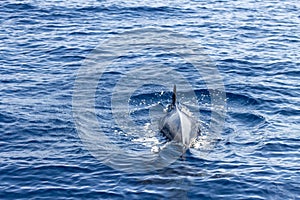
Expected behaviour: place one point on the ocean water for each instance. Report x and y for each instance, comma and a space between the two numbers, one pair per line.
82, 85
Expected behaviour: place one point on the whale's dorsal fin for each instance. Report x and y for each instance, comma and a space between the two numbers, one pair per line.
174, 96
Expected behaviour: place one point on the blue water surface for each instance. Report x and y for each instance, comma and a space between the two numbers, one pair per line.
255, 46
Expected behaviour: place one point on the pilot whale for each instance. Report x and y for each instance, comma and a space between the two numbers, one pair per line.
178, 125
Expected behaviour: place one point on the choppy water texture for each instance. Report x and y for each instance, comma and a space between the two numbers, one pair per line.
255, 46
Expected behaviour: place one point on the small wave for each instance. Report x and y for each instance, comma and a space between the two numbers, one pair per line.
240, 100
136, 9
248, 119
278, 146
18, 6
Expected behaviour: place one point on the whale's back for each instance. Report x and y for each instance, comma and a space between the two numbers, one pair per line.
178, 126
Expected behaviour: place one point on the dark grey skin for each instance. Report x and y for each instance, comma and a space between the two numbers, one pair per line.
177, 125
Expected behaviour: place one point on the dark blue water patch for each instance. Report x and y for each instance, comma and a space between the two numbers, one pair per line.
67, 58
278, 146
137, 9
82, 33
60, 50
7, 117
247, 119
60, 14
281, 66
59, 192
218, 188
240, 62
96, 9
234, 99
242, 67
274, 91
286, 39
203, 96
288, 112
153, 9
290, 73
13, 7
26, 22
285, 140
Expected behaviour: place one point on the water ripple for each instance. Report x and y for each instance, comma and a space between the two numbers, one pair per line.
255, 46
